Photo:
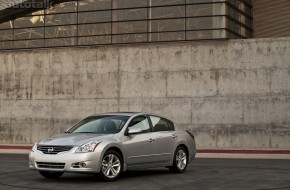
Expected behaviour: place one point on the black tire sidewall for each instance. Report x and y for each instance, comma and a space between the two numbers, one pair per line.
105, 178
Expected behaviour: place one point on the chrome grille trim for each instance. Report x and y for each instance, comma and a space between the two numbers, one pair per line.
50, 165
46, 149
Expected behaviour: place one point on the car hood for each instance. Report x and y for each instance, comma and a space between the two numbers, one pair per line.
73, 138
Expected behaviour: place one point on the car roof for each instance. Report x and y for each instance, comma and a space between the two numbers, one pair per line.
120, 113
130, 114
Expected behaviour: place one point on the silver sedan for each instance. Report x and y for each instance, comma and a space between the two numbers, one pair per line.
112, 143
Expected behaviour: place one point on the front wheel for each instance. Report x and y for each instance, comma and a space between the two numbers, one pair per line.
51, 175
112, 166
180, 160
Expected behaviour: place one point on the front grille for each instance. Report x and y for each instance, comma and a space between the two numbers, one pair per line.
53, 149
50, 165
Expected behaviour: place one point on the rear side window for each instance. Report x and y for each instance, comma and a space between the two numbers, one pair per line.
161, 124
140, 122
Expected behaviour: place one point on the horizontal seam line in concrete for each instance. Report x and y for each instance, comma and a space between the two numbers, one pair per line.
226, 151
266, 95
160, 71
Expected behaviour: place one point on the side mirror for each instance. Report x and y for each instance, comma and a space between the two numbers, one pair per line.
133, 131
126, 132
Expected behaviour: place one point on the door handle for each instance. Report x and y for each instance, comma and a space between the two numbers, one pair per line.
151, 140
174, 136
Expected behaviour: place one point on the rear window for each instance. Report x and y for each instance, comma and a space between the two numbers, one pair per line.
161, 124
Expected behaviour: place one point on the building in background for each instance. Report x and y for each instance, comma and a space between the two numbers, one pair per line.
100, 22
271, 18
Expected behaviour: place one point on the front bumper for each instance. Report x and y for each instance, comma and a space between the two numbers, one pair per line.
66, 161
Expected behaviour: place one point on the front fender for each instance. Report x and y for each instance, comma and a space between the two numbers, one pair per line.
105, 146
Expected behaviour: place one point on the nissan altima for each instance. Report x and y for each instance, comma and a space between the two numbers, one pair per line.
112, 143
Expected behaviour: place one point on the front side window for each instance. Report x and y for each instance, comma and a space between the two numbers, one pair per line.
100, 124
160, 124
140, 123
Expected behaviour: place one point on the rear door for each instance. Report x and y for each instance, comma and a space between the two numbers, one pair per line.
164, 133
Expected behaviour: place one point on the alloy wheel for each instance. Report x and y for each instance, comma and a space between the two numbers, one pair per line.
111, 166
181, 159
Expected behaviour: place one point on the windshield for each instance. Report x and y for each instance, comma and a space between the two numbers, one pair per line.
106, 124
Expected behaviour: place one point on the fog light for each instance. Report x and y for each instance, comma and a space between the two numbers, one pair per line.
31, 164
82, 165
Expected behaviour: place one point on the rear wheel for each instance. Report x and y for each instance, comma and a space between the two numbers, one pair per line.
180, 160
112, 166
51, 175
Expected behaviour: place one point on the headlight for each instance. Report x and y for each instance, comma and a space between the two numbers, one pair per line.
88, 147
34, 147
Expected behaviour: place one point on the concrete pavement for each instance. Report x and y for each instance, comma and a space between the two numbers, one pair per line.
217, 174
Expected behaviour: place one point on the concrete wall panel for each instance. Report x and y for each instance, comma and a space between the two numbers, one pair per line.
191, 84
143, 84
266, 110
16, 133
217, 110
161, 58
243, 82
231, 94
96, 86
279, 82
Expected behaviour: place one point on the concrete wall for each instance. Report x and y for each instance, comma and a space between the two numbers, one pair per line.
231, 94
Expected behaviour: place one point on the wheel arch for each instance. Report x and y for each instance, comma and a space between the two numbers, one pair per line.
181, 144
118, 149
185, 147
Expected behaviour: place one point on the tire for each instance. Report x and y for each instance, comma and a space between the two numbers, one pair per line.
51, 175
180, 160
111, 166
